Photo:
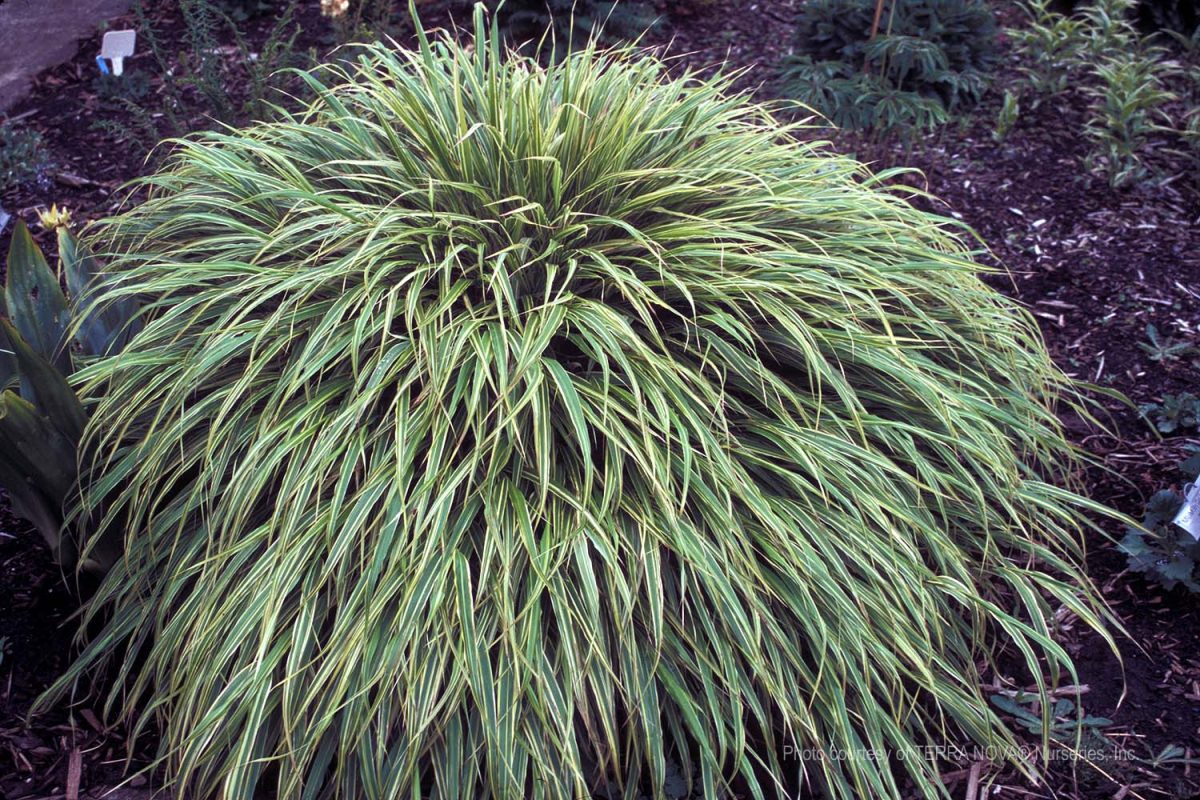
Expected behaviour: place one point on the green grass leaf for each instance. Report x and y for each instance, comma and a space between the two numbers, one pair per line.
502, 430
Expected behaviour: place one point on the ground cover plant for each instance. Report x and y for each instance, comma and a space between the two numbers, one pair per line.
23, 159
1162, 551
504, 430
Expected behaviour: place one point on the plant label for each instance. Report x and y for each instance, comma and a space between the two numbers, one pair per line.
1188, 517
4, 218
118, 46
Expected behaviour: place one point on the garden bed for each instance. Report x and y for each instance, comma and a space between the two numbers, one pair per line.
1095, 266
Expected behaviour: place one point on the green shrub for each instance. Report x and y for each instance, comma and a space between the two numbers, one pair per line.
1127, 106
928, 57
858, 100
1100, 55
507, 431
118, 92
1052, 48
1187, 123
1007, 116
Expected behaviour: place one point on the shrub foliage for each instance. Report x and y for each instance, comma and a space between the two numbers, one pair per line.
550, 27
508, 431
927, 57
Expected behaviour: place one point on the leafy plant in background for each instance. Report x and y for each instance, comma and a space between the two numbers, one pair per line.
1166, 348
557, 24
1108, 27
1128, 102
510, 431
361, 20
1173, 16
1100, 54
24, 160
1176, 412
1006, 118
120, 91
1051, 46
1190, 45
1172, 755
1187, 128
228, 98
1070, 726
1189, 134
857, 100
1160, 550
41, 417
244, 10
930, 58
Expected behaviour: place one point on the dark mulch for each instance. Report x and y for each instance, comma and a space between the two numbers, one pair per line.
1094, 266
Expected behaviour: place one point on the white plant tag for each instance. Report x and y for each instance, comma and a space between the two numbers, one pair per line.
1188, 517
118, 46
4, 218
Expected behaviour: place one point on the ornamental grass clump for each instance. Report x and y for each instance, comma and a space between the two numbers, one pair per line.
500, 430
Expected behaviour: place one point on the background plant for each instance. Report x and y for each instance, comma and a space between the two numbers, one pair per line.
362, 20
1100, 54
558, 24
24, 160
1051, 46
858, 100
1187, 127
929, 59
1127, 107
1007, 116
119, 91
243, 10
1175, 16
1167, 349
1070, 727
504, 430
1166, 553
1176, 412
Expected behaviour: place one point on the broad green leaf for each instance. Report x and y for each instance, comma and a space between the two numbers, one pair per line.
35, 302
104, 326
30, 504
37, 469
54, 397
8, 360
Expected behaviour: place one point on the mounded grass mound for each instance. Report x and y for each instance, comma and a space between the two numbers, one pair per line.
507, 431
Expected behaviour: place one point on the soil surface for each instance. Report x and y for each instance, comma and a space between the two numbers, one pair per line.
1094, 265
